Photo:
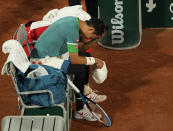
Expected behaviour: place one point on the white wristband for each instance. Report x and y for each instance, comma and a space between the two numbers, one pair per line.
90, 60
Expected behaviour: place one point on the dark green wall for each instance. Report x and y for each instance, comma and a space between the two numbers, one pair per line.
124, 20
160, 16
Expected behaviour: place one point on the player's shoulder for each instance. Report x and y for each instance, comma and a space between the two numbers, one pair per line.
65, 23
68, 19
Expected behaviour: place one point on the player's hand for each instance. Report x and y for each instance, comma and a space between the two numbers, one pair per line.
99, 63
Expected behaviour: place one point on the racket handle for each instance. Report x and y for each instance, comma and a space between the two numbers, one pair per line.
73, 86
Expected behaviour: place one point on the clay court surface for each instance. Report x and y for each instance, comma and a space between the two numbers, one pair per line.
139, 84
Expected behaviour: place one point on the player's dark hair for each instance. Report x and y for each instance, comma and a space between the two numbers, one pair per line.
98, 24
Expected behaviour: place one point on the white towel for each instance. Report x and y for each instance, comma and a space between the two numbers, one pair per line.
100, 75
55, 14
16, 55
51, 14
39, 24
76, 11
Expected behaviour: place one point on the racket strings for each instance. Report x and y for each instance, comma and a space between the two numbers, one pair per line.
99, 114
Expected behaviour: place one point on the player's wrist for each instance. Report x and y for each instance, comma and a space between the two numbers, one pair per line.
90, 60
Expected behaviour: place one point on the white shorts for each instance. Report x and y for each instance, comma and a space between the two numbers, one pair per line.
55, 62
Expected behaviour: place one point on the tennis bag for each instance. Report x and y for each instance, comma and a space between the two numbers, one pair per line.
55, 81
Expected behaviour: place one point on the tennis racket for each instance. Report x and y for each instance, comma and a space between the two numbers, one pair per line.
93, 107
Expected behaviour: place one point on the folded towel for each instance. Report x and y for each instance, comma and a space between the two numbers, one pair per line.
16, 55
100, 75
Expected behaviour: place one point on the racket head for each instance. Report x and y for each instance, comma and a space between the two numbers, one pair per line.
98, 112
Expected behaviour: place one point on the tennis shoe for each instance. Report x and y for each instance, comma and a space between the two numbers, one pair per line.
84, 114
88, 92
96, 98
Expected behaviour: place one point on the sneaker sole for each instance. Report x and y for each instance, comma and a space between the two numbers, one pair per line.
79, 117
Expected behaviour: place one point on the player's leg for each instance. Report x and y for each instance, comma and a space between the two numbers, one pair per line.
88, 92
81, 74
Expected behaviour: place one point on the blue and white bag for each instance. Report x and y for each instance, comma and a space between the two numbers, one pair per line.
55, 81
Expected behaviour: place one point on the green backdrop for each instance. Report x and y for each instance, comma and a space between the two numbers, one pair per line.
124, 20
157, 13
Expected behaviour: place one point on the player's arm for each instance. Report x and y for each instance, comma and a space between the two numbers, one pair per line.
76, 59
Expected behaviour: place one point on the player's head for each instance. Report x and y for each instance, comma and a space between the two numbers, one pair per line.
94, 29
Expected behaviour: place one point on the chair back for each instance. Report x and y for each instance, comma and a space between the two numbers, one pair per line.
21, 35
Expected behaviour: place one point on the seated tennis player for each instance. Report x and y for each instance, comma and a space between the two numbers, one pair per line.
62, 46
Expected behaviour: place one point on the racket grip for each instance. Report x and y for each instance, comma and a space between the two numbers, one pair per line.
73, 86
